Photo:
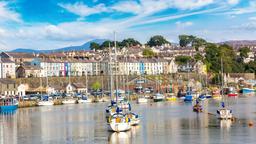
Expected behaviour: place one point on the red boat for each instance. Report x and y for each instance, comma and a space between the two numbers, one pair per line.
232, 94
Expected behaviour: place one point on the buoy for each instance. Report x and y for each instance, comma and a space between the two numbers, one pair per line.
250, 124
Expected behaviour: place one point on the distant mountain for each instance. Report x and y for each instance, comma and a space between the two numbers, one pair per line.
240, 42
85, 46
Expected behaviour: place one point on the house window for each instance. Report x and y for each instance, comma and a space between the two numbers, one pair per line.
7, 86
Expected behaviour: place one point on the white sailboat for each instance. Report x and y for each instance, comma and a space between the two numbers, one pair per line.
117, 121
224, 112
141, 98
69, 99
45, 100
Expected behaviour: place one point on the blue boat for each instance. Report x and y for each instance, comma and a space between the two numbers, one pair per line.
8, 104
188, 97
247, 90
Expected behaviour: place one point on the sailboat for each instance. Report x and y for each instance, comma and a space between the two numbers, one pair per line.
45, 100
223, 112
158, 96
141, 98
188, 97
84, 98
171, 96
117, 121
69, 99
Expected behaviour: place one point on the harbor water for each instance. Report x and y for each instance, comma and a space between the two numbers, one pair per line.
161, 123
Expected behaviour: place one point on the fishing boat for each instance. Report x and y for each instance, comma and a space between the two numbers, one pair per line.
158, 97
134, 118
45, 101
8, 104
247, 90
119, 123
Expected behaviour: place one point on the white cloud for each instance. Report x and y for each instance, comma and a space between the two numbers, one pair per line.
180, 24
83, 10
191, 4
128, 7
233, 2
251, 8
252, 18
8, 15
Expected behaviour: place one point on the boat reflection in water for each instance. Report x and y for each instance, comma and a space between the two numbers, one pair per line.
225, 124
123, 137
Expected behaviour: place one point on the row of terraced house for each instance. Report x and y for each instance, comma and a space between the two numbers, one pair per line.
21, 65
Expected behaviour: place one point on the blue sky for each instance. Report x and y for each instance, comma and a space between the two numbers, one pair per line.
52, 24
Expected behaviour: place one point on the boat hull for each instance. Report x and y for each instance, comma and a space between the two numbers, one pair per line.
69, 102
119, 127
84, 101
142, 100
158, 100
247, 91
232, 94
8, 108
45, 103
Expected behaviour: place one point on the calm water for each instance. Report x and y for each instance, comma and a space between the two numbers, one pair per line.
165, 122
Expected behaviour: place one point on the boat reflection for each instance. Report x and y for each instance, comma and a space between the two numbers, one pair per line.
10, 112
225, 124
123, 137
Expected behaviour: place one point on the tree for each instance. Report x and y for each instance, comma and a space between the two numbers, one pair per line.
129, 42
195, 42
148, 52
185, 40
183, 59
96, 85
244, 52
198, 57
157, 40
94, 46
106, 44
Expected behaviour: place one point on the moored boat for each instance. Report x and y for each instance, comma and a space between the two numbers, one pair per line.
8, 104
197, 107
224, 113
142, 100
247, 90
45, 101
232, 94
134, 118
158, 97
188, 97
171, 98
119, 123
69, 101
84, 100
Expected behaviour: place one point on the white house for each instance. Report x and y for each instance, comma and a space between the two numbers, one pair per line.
7, 68
22, 90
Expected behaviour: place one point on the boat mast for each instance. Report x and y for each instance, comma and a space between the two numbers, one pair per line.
222, 81
116, 80
110, 71
127, 73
